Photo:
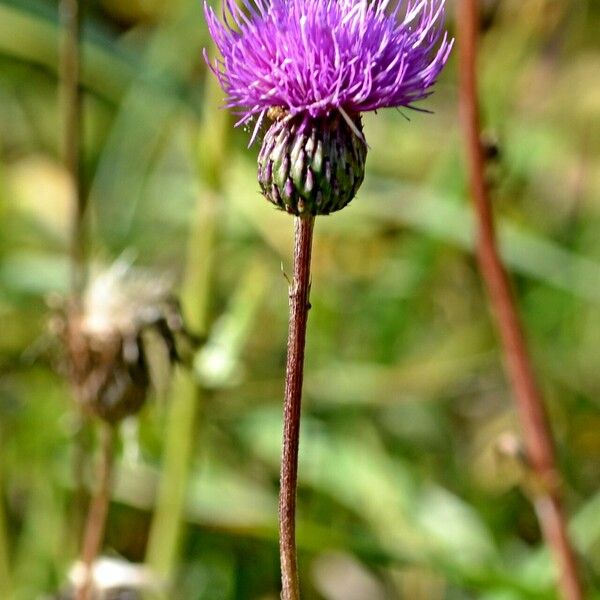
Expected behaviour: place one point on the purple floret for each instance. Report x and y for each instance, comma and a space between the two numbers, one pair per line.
318, 56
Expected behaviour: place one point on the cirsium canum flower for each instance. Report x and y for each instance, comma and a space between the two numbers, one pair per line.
311, 61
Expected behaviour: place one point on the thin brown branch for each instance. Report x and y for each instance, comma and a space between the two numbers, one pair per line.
98, 512
71, 19
299, 307
537, 435
69, 105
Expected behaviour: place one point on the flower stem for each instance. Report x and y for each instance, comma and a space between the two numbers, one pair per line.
98, 511
537, 435
299, 307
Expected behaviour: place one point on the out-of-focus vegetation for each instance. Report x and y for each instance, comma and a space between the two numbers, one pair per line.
404, 489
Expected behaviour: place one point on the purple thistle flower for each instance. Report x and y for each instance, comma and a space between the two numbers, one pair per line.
314, 57
313, 66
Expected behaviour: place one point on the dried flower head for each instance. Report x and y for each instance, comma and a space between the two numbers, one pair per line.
313, 61
106, 357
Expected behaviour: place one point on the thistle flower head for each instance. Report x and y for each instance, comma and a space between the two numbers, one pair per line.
319, 56
312, 67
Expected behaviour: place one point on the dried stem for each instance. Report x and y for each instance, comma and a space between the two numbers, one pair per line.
98, 511
299, 307
70, 107
534, 422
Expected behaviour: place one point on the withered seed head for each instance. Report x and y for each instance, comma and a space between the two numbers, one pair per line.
103, 339
109, 375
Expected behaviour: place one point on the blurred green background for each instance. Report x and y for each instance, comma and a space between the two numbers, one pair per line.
404, 490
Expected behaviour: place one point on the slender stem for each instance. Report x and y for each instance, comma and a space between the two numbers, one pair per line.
167, 524
98, 511
534, 422
80, 453
196, 296
6, 588
186, 397
70, 108
299, 307
71, 17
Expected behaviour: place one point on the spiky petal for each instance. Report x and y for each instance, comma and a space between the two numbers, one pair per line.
319, 56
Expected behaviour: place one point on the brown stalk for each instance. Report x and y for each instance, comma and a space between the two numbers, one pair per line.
70, 109
71, 19
98, 512
299, 307
539, 445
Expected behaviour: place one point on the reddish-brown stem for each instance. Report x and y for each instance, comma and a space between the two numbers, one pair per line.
299, 307
98, 511
530, 407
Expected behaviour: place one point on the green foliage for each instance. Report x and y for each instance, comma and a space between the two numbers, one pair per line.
403, 493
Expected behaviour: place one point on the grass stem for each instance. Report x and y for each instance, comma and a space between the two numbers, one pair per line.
185, 400
196, 295
5, 571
